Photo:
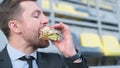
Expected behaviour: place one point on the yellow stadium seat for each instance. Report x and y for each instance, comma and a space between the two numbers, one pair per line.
62, 7
105, 6
91, 44
45, 4
84, 1
110, 46
101, 4
90, 40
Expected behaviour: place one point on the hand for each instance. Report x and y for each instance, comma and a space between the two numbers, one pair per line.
65, 46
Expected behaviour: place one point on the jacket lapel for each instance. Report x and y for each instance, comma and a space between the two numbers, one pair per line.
42, 61
5, 61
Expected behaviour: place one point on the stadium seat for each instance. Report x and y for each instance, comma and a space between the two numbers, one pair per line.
67, 8
101, 4
63, 7
110, 46
84, 1
90, 44
105, 6
45, 4
90, 47
111, 49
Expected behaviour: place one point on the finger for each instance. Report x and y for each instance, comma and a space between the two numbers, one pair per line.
58, 25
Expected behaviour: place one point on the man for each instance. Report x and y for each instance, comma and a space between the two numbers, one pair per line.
21, 21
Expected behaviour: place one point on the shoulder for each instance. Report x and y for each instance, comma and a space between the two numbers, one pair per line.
3, 52
54, 57
49, 55
0, 54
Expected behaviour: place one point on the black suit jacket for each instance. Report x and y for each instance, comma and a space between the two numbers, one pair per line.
45, 60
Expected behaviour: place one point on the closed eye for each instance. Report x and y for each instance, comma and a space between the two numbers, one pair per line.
36, 14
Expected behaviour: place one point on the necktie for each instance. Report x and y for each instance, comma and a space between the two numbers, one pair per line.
28, 59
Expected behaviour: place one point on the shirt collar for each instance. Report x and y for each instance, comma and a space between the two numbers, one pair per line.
15, 54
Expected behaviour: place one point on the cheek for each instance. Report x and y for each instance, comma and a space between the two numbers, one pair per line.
31, 31
30, 27
30, 35
28, 30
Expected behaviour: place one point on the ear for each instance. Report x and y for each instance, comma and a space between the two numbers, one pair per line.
14, 26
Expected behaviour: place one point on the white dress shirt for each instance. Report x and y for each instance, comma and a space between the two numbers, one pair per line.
16, 54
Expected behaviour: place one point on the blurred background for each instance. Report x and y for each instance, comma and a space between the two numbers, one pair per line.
94, 25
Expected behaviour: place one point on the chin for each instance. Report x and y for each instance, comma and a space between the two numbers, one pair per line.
43, 44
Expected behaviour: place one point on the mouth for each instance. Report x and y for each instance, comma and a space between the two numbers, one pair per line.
39, 30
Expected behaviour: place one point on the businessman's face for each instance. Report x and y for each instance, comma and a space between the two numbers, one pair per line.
32, 20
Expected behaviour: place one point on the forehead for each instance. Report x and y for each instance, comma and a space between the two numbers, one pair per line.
30, 5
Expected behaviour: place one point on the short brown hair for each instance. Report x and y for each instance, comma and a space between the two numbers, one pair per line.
9, 10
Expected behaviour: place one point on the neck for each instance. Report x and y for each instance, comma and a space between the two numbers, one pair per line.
21, 45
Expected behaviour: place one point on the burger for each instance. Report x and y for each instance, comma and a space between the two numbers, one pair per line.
48, 33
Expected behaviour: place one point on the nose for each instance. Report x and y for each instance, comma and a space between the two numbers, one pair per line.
44, 19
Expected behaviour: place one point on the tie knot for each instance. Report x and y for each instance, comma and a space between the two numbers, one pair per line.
27, 58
